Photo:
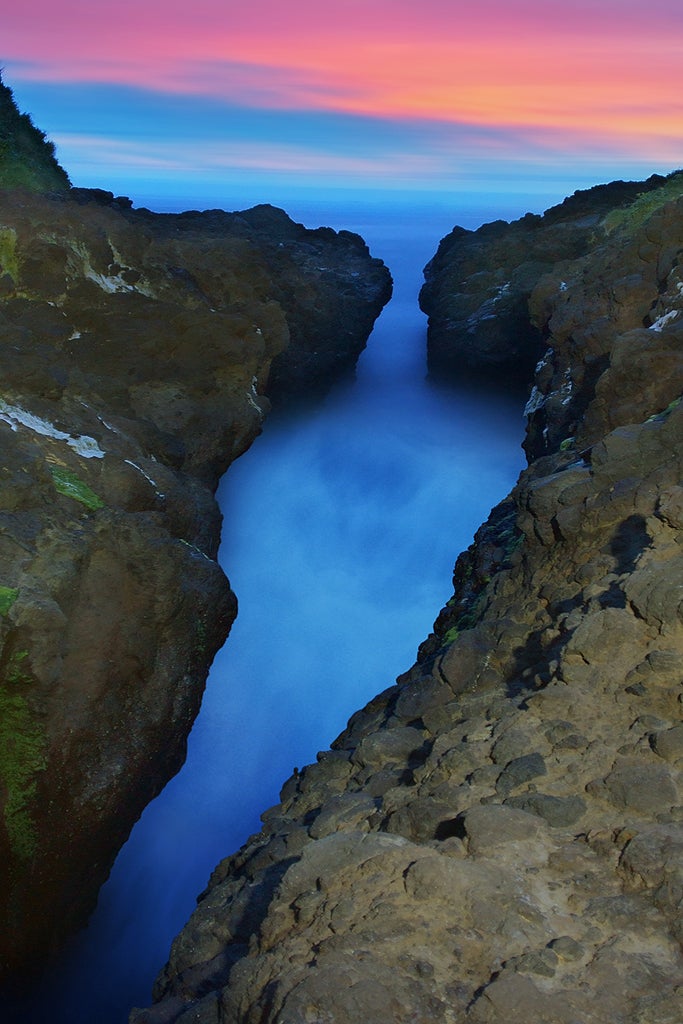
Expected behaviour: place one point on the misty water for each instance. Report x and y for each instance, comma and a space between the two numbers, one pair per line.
342, 524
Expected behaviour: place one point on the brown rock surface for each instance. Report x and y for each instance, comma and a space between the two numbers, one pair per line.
478, 284
135, 352
496, 838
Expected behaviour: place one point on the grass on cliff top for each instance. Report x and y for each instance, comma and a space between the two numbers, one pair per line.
27, 157
645, 205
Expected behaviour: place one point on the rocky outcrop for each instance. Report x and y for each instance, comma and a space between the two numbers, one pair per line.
136, 353
477, 286
496, 838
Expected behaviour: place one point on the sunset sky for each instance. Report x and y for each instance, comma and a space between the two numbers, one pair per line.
254, 101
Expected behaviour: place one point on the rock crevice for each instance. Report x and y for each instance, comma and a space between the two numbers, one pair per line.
496, 837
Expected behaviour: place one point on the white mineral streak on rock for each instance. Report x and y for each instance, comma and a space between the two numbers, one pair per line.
146, 476
102, 421
536, 400
487, 309
252, 398
662, 321
567, 388
195, 550
548, 355
86, 447
109, 283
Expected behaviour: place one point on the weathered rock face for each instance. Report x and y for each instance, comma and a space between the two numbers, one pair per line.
477, 286
496, 838
135, 352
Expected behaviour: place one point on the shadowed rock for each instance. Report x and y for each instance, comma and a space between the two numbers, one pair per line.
135, 352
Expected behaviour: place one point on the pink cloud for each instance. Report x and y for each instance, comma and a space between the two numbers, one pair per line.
610, 68
250, 155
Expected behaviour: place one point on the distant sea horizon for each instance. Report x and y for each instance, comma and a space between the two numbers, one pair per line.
335, 207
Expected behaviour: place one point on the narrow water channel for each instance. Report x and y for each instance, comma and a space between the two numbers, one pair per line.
341, 527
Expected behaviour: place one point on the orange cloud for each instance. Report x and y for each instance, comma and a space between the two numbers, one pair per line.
536, 65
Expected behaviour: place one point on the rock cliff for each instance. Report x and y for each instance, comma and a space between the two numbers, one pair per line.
496, 837
138, 353
477, 286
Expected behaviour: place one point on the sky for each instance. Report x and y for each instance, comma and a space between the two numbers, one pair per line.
254, 101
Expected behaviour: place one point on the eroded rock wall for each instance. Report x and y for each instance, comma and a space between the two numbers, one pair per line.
496, 838
478, 284
135, 354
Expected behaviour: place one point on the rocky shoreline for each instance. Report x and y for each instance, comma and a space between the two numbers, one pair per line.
497, 836
139, 356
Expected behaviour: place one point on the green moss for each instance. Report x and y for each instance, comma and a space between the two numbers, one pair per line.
22, 757
8, 596
512, 542
15, 674
8, 253
466, 620
660, 416
645, 205
567, 443
471, 617
72, 486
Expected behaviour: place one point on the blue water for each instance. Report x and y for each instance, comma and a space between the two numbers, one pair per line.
342, 524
